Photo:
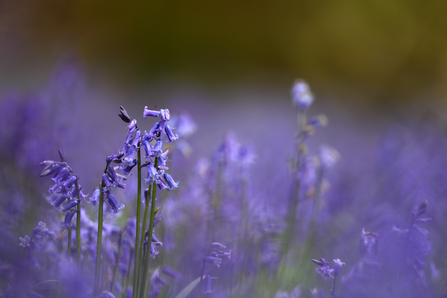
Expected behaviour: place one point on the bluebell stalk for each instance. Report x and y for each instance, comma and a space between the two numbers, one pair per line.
156, 178
125, 161
66, 187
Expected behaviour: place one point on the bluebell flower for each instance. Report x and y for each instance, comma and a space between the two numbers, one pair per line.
170, 182
66, 222
170, 134
207, 287
112, 202
64, 188
302, 97
150, 113
123, 115
324, 269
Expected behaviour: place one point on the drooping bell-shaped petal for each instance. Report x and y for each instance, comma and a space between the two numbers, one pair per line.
59, 201
150, 113
113, 203
70, 181
66, 222
165, 115
95, 197
170, 134
207, 285
147, 148
70, 205
170, 181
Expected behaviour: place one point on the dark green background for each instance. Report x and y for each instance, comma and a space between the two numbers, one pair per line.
375, 51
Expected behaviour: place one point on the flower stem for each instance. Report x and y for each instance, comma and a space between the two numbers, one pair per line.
137, 233
143, 228
99, 241
78, 227
69, 244
149, 238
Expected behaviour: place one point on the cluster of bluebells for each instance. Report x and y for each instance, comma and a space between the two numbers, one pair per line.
65, 194
158, 158
41, 234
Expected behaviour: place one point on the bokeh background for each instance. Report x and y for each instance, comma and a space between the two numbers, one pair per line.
378, 70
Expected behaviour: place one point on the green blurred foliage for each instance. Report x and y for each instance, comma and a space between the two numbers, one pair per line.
388, 50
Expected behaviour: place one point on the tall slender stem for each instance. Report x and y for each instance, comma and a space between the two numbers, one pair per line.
69, 244
78, 227
294, 197
99, 241
149, 237
143, 228
137, 233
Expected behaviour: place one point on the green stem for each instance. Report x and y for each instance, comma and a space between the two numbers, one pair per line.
115, 271
294, 198
99, 241
78, 227
149, 239
311, 235
69, 244
143, 229
137, 233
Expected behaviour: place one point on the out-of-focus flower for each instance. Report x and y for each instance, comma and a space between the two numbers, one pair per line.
302, 97
324, 269
328, 156
368, 244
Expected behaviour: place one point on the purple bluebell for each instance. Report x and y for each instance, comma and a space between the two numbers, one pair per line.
213, 260
70, 205
170, 182
170, 134
66, 222
301, 95
170, 272
25, 242
123, 115
147, 148
150, 113
58, 201
324, 269
207, 286
165, 115
112, 202
95, 197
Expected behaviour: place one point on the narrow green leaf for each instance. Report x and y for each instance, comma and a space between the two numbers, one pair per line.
164, 292
46, 285
188, 289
